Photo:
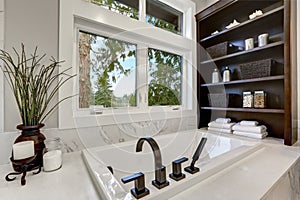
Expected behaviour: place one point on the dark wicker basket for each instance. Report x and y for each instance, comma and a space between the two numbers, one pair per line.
222, 49
256, 69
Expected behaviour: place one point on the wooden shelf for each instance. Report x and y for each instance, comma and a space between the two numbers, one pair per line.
243, 24
281, 98
252, 110
272, 45
269, 78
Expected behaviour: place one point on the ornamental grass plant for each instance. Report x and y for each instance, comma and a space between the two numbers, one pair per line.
34, 84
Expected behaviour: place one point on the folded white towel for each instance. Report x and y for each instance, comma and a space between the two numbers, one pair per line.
223, 120
251, 135
222, 130
248, 123
251, 129
215, 124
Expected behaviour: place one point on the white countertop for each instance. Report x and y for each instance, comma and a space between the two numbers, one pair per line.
251, 177
71, 181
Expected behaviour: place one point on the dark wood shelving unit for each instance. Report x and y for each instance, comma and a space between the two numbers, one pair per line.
281, 99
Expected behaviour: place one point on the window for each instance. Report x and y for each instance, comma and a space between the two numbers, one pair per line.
157, 13
106, 71
129, 8
163, 16
164, 78
143, 56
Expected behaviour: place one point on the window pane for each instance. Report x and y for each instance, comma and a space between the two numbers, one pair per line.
129, 8
164, 78
107, 72
163, 16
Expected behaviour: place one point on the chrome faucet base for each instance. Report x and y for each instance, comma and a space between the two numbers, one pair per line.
160, 185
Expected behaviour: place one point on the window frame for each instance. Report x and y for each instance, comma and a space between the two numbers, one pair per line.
106, 32
94, 16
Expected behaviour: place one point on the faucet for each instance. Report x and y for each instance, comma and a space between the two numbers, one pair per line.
160, 170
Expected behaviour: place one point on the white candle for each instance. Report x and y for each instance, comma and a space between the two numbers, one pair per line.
52, 160
22, 150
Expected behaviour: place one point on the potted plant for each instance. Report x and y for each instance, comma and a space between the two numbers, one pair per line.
35, 86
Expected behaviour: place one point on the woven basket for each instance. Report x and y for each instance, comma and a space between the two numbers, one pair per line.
256, 69
222, 49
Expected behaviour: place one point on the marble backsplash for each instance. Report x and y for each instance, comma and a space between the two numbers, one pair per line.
80, 138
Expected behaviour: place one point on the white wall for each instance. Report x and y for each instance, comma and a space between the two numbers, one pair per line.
34, 23
1, 74
298, 62
202, 4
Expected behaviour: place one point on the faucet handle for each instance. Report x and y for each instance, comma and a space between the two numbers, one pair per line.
177, 175
139, 189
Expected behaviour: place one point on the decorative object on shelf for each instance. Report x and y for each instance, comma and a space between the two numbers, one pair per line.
259, 99
233, 24
35, 86
222, 49
263, 39
247, 99
257, 69
249, 44
226, 75
215, 32
215, 76
255, 14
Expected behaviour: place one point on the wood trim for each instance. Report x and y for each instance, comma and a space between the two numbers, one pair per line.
213, 9
287, 74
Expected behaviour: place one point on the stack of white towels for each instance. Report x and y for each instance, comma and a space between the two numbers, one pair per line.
222, 125
250, 129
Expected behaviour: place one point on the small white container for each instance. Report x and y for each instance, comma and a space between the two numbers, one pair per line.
263, 39
215, 76
226, 75
52, 160
249, 43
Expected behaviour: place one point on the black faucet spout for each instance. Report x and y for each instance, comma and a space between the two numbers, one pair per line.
160, 170
155, 149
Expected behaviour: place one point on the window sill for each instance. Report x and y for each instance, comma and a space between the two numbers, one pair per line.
131, 116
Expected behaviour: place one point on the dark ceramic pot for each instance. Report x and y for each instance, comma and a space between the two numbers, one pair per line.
32, 133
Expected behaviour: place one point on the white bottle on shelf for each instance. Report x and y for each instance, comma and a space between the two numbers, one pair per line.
226, 74
215, 76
